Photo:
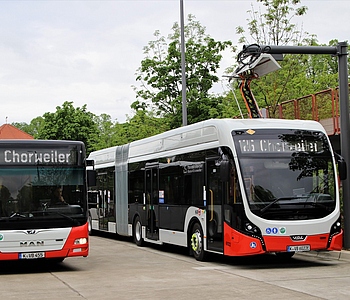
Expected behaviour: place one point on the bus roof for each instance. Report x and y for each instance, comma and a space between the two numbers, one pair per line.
202, 133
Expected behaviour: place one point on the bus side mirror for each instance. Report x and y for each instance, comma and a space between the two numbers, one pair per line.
90, 163
341, 167
225, 170
91, 177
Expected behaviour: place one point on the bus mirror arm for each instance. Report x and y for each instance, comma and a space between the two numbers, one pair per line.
91, 177
341, 166
225, 170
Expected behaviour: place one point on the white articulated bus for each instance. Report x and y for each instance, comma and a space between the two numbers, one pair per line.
235, 187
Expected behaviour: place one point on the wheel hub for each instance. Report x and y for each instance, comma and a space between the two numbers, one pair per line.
196, 242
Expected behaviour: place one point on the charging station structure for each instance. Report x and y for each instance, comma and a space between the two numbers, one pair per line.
258, 60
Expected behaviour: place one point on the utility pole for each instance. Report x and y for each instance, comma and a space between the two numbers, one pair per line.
183, 65
345, 133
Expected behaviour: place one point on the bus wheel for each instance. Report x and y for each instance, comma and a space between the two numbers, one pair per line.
197, 245
138, 232
90, 224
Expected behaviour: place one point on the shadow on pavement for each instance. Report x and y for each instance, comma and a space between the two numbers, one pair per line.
33, 266
262, 261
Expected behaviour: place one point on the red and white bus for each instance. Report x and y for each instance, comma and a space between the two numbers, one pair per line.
43, 200
234, 187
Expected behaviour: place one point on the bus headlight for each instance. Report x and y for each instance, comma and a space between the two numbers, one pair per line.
250, 227
80, 241
254, 231
335, 229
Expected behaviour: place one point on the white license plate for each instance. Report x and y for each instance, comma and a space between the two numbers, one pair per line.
32, 255
299, 248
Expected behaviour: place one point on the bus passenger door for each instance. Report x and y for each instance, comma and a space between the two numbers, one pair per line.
93, 207
152, 202
214, 205
102, 210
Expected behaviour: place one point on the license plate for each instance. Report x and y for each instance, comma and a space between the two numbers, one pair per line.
299, 248
32, 255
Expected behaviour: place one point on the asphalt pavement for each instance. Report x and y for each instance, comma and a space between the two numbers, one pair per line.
118, 269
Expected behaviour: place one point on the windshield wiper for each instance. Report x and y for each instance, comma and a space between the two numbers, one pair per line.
320, 205
75, 222
278, 199
16, 214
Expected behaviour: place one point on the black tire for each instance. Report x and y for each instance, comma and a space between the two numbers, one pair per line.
90, 224
197, 242
137, 232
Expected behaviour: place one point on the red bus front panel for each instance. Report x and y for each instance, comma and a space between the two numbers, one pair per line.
238, 244
19, 244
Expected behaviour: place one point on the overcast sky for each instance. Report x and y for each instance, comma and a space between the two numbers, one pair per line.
88, 51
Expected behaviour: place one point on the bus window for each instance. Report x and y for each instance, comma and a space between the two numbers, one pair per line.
233, 206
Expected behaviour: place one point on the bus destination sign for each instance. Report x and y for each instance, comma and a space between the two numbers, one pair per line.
38, 157
276, 146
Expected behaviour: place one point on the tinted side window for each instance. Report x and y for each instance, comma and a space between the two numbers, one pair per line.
182, 178
136, 183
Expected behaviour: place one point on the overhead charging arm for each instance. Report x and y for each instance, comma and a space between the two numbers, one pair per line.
250, 102
257, 65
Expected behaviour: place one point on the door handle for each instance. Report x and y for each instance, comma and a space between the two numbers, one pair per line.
212, 205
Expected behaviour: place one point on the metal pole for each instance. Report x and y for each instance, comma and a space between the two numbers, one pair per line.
345, 133
291, 49
183, 65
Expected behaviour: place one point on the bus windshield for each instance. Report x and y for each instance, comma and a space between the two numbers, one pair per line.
42, 197
288, 174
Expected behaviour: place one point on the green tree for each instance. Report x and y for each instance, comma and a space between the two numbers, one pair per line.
32, 128
227, 107
111, 133
274, 26
69, 123
141, 125
107, 132
322, 70
160, 79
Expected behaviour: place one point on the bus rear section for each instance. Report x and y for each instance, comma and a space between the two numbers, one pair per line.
43, 200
